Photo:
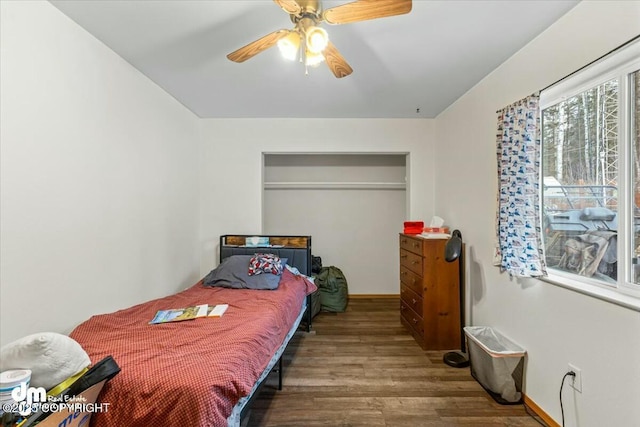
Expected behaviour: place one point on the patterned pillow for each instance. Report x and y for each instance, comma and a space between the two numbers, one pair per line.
265, 263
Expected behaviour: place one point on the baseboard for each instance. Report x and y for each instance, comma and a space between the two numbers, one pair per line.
369, 296
539, 412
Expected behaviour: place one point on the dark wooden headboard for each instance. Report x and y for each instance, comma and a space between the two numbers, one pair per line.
297, 249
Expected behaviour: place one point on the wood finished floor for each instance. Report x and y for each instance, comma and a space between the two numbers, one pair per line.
361, 368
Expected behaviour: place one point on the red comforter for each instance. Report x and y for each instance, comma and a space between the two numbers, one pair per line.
189, 373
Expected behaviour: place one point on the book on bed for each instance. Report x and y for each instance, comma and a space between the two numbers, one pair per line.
179, 314
189, 313
217, 310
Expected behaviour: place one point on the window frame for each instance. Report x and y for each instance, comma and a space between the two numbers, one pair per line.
617, 65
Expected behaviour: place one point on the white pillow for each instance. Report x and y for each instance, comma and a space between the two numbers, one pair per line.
51, 357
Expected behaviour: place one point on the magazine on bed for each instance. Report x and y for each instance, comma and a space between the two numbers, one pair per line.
188, 313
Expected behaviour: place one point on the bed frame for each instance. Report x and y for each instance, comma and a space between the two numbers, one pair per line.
297, 250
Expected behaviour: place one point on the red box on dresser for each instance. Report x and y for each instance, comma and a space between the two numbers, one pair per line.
413, 227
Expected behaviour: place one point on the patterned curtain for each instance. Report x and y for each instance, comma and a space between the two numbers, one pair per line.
519, 248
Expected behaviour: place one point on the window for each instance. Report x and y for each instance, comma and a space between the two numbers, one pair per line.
591, 174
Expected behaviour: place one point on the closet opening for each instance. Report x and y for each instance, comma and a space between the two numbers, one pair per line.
352, 204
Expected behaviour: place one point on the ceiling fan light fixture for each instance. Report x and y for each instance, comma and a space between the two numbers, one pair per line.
312, 59
316, 39
311, 43
289, 46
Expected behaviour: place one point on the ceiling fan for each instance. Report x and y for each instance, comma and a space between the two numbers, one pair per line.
311, 40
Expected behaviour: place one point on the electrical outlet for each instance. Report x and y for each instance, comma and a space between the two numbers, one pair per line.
575, 382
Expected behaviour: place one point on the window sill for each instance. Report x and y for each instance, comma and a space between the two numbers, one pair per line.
630, 300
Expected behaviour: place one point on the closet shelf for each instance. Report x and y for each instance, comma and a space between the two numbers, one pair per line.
297, 185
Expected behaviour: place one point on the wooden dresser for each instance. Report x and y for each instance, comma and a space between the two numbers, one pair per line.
429, 293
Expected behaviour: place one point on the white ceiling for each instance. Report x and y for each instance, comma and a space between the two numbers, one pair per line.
423, 60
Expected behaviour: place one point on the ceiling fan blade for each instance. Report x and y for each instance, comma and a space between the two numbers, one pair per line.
290, 6
257, 46
336, 62
362, 10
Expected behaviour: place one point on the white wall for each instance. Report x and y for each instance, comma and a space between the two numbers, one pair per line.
232, 202
99, 180
354, 230
555, 325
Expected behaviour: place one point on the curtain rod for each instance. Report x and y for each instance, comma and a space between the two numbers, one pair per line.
592, 62
585, 66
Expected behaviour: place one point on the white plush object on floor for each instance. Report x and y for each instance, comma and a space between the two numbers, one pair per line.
51, 357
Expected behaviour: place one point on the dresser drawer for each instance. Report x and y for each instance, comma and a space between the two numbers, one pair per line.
411, 318
411, 261
411, 279
411, 244
411, 299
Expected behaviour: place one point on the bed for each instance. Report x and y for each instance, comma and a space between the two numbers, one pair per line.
205, 371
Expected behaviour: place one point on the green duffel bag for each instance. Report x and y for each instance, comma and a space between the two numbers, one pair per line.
334, 291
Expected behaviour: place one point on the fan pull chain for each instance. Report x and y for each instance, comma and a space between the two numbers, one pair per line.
303, 47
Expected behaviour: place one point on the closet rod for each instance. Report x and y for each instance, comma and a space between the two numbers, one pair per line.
339, 185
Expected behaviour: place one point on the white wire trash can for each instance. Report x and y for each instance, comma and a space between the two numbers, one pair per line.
497, 363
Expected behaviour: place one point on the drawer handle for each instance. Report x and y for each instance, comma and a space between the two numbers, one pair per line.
404, 273
404, 240
414, 301
403, 256
415, 245
415, 321
414, 262
413, 282
402, 307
